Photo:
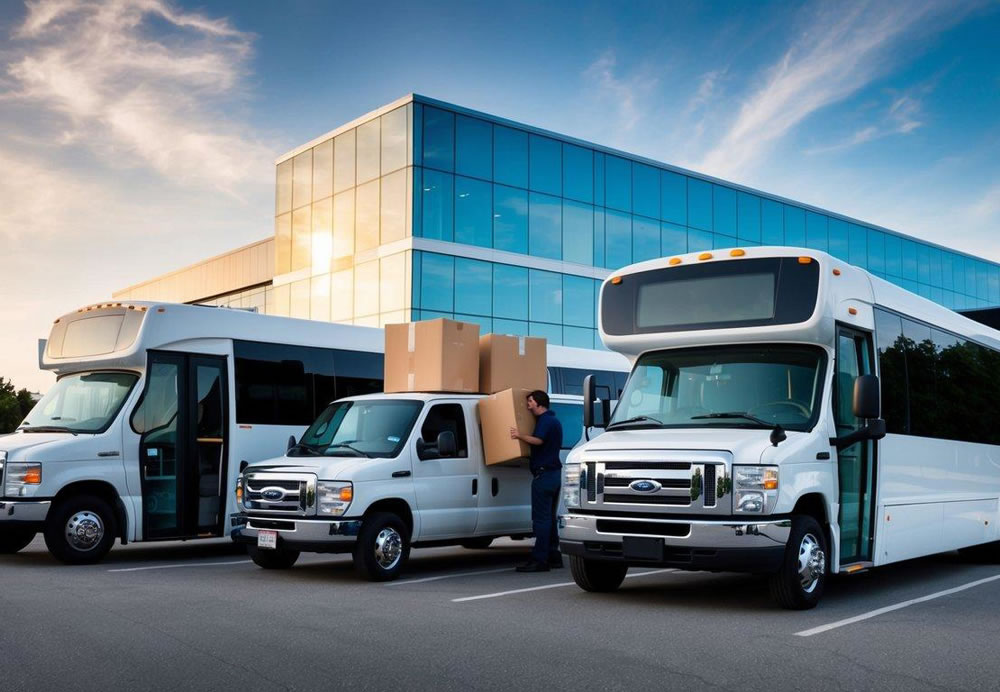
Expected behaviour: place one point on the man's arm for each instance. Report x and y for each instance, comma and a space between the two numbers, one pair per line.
530, 439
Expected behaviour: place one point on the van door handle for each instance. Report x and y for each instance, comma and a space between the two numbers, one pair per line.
400, 474
475, 486
496, 486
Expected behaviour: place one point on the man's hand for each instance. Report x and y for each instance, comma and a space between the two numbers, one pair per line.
530, 439
514, 434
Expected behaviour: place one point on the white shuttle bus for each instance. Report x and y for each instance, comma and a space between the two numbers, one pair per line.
788, 414
158, 406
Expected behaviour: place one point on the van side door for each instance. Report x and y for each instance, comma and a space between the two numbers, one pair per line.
446, 488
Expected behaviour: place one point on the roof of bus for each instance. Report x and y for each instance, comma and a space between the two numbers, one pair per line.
886, 294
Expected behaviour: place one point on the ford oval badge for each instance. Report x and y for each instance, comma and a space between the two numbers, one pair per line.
645, 486
273, 494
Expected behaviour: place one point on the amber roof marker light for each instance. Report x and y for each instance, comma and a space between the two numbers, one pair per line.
615, 280
705, 256
737, 252
674, 261
805, 260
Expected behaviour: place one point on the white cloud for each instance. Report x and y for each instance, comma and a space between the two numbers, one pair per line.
842, 49
132, 95
623, 95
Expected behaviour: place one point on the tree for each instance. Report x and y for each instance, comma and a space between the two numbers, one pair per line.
14, 406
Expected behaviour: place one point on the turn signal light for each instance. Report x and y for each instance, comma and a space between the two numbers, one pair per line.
346, 493
33, 475
770, 483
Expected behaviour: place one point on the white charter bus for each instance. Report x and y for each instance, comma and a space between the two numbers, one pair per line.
789, 414
158, 406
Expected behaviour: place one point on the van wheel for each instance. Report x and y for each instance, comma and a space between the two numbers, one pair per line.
798, 583
272, 559
13, 540
382, 548
80, 530
598, 576
478, 543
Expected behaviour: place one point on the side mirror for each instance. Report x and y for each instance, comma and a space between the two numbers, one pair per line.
866, 404
291, 442
588, 401
446, 446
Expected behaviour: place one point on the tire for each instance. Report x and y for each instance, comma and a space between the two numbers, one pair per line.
383, 547
478, 543
798, 584
13, 540
280, 558
597, 576
80, 530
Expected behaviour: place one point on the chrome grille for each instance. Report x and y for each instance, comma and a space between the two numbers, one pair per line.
280, 493
695, 485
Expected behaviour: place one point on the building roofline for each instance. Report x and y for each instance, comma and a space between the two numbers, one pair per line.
188, 267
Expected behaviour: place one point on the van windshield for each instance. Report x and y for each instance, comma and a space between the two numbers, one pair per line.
81, 403
724, 386
367, 428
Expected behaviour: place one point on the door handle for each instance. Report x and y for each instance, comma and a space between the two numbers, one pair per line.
496, 486
475, 486
400, 474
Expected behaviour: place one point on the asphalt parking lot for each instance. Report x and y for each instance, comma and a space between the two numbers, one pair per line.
202, 616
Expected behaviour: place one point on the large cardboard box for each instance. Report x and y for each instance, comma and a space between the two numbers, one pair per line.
498, 413
511, 362
433, 356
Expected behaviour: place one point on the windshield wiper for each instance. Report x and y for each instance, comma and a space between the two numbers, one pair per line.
48, 428
634, 419
736, 414
347, 445
309, 448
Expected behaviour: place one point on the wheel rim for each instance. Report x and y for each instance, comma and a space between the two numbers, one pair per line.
388, 548
812, 563
84, 530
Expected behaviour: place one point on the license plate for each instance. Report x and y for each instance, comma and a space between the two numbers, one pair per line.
267, 540
639, 548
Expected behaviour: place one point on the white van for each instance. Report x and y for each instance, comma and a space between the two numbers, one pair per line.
376, 475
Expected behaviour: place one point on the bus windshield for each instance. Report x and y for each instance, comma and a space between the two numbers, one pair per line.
724, 386
81, 403
367, 428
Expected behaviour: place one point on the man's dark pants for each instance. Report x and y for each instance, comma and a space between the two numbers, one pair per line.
544, 504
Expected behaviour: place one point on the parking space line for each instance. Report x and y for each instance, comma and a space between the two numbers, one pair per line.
549, 586
897, 606
402, 582
189, 564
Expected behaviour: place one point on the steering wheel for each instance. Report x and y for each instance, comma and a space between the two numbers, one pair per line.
797, 405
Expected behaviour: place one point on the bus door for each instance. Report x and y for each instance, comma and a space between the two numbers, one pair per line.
182, 422
856, 464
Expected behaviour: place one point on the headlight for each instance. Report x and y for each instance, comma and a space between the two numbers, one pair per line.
20, 476
334, 497
572, 482
755, 488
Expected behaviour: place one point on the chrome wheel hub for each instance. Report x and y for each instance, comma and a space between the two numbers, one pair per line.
388, 548
84, 530
812, 563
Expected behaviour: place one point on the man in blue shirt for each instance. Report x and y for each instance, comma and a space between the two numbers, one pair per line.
546, 441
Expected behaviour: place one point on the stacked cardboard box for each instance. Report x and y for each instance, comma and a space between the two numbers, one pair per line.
432, 356
510, 368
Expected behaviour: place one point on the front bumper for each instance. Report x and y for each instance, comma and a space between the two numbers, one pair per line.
26, 513
717, 545
306, 535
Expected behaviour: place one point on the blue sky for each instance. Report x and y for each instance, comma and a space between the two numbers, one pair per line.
139, 136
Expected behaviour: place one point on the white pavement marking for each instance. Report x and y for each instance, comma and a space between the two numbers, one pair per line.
549, 586
897, 606
403, 582
189, 564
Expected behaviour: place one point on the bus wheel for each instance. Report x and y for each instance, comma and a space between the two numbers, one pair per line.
598, 576
478, 543
272, 559
382, 548
798, 583
12, 540
80, 530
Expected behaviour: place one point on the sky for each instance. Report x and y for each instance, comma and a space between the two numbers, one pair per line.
139, 136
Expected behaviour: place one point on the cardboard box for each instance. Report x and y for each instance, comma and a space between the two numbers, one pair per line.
498, 413
433, 356
511, 362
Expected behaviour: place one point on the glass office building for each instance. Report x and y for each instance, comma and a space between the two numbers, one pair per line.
424, 209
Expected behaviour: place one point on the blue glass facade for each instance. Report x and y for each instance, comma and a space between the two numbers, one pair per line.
513, 228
